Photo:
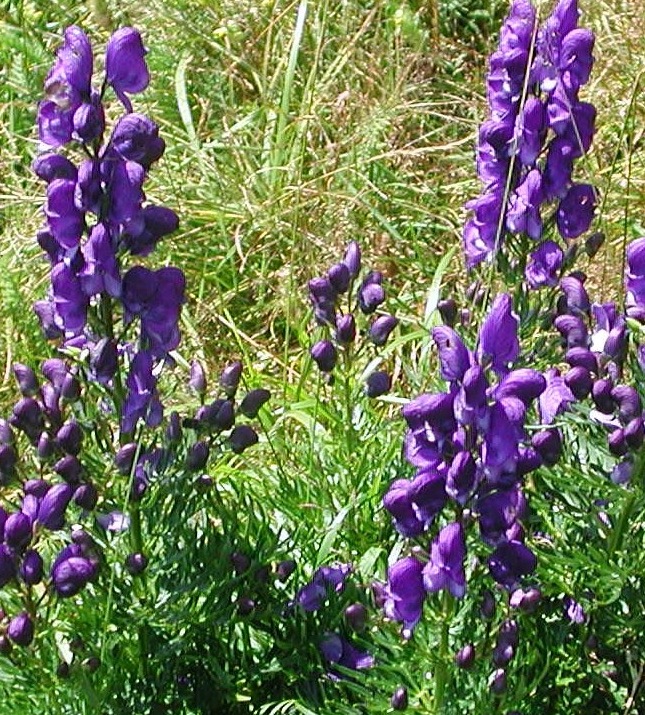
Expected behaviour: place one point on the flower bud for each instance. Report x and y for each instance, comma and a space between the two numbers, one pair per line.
345, 329
465, 657
580, 381
45, 447
7, 565
617, 443
371, 293
26, 378
381, 328
548, 444
17, 531
51, 166
31, 569
356, 617
634, 433
352, 259
8, 460
21, 629
70, 437
245, 605
136, 563
601, 395
324, 355
63, 670
399, 699
225, 417
527, 601
241, 438
487, 606
86, 496
28, 417
497, 681
93, 663
253, 401
197, 381
581, 357
284, 569
70, 575
69, 468
36, 487
229, 378
6, 433
593, 243
104, 360
124, 458
240, 562
70, 390
5, 645
197, 456
448, 311
51, 513
378, 383
173, 430
628, 402
339, 277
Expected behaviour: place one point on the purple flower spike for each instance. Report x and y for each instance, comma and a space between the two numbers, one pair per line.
405, 593
445, 570
498, 342
544, 265
125, 66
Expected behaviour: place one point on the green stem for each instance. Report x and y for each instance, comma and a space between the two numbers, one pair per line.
441, 669
350, 433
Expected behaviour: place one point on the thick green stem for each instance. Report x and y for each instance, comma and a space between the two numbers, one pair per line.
441, 672
350, 433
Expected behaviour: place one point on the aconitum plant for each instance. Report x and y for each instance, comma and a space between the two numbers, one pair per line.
537, 128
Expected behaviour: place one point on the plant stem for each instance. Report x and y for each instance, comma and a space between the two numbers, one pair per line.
350, 433
441, 669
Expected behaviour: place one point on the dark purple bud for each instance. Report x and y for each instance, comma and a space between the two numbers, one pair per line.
197, 456
617, 443
345, 328
465, 657
548, 444
635, 432
197, 381
21, 629
577, 300
89, 120
5, 645
262, 574
284, 569
339, 277
616, 343
70, 575
378, 383
370, 296
352, 259
136, 563
399, 699
31, 569
573, 330
461, 477
6, 433
581, 357
26, 378
601, 394
229, 378
173, 430
245, 605
527, 601
8, 459
510, 561
70, 437
28, 417
574, 611
324, 355
381, 328
356, 617
580, 381
36, 487
86, 496
253, 401
628, 402
525, 383
124, 458
45, 446
225, 417
51, 513
7, 565
83, 539
487, 606
241, 438
593, 243
93, 663
63, 670
240, 562
17, 531
497, 682
69, 468
70, 390
448, 311
104, 360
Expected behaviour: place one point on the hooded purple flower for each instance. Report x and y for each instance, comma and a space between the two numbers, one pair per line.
576, 210
100, 272
71, 574
498, 342
142, 400
405, 593
523, 214
445, 570
453, 354
64, 219
338, 651
136, 138
125, 66
544, 265
510, 561
556, 397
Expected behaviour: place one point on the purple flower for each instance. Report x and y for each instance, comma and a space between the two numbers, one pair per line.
71, 574
498, 342
398, 502
150, 225
445, 570
51, 512
523, 214
499, 512
576, 210
378, 383
556, 398
64, 219
70, 301
31, 569
371, 293
574, 611
142, 400
381, 328
510, 561
125, 66
21, 629
544, 265
338, 651
324, 355
101, 272
454, 356
136, 138
7, 565
405, 593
